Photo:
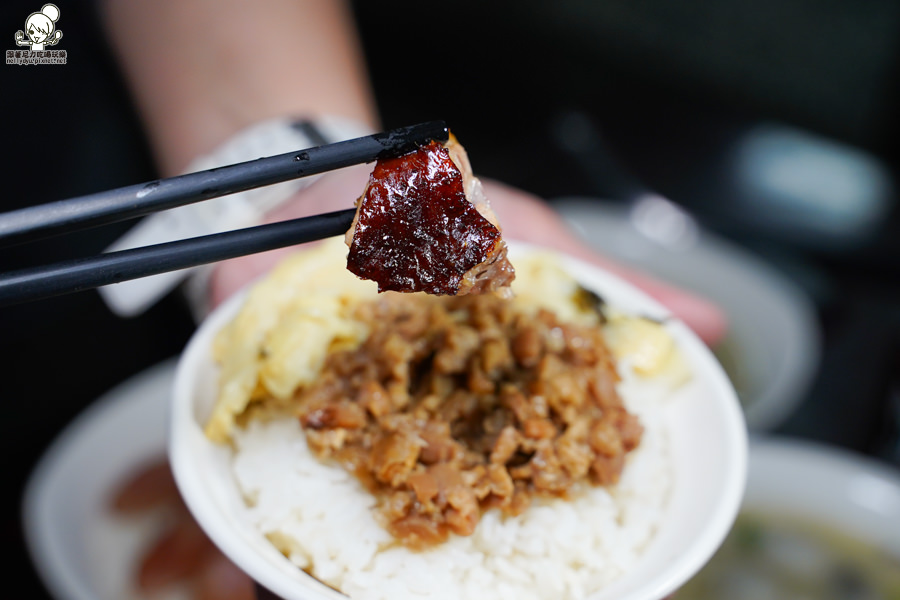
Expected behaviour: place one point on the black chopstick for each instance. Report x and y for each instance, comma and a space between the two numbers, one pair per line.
55, 218
86, 273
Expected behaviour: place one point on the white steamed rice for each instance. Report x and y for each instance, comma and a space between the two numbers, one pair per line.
322, 518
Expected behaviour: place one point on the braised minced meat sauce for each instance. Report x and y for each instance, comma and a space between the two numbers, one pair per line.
456, 405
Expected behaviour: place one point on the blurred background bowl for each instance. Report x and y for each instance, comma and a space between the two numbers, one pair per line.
814, 518
848, 491
772, 350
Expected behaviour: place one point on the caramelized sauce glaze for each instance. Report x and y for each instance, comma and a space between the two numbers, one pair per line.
416, 231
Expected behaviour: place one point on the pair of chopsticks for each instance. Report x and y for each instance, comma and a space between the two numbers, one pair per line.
112, 206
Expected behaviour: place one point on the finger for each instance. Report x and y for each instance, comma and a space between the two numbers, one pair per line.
179, 554
527, 218
151, 487
222, 580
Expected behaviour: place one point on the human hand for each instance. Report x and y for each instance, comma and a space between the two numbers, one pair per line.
522, 216
181, 555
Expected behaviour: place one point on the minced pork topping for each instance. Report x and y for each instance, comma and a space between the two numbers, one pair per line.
452, 406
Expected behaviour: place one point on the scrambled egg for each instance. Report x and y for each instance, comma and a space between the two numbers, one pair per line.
289, 323
647, 348
541, 282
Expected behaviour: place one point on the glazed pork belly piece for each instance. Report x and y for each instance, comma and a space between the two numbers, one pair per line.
423, 224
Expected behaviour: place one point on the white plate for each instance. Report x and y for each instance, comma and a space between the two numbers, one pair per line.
708, 442
80, 549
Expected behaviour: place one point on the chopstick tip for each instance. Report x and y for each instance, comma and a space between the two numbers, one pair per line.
406, 139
